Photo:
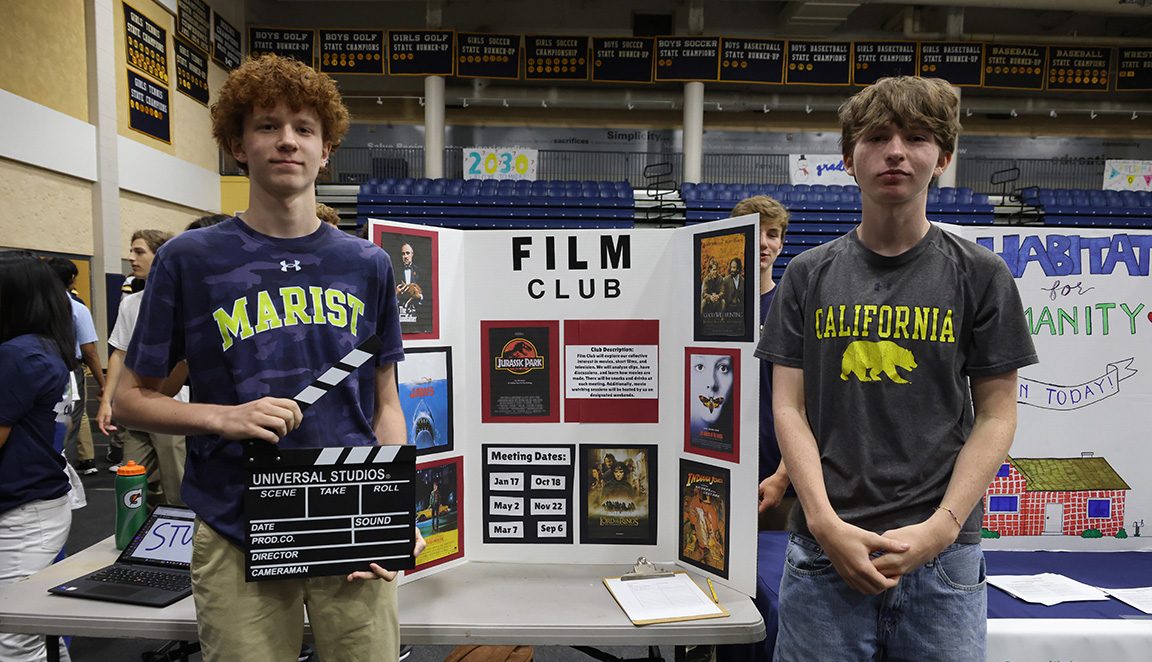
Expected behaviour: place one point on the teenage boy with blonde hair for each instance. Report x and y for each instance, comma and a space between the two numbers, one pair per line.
257, 305
775, 497
895, 349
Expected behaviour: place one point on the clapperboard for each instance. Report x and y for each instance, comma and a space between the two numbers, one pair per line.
329, 511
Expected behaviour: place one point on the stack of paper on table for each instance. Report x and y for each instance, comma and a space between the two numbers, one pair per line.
663, 599
1046, 589
1140, 598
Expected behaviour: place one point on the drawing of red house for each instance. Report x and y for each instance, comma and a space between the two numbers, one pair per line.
1061, 496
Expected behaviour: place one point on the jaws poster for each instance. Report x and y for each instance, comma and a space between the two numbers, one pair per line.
425, 385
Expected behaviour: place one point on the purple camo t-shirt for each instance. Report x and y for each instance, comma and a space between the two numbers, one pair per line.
258, 316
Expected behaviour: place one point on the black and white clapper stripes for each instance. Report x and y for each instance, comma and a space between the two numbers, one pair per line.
339, 372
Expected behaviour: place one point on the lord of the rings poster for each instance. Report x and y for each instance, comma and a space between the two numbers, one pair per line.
618, 494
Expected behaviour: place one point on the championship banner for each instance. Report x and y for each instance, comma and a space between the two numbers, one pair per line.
1014, 67
622, 60
294, 43
960, 63
818, 63
315, 512
687, 58
1134, 69
226, 50
873, 60
555, 57
148, 108
420, 52
352, 51
1078, 68
146, 44
487, 55
194, 23
191, 71
752, 60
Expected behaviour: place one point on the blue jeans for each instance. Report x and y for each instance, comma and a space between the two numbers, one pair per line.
938, 612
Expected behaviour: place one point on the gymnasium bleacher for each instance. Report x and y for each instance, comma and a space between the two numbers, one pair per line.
473, 203
1090, 207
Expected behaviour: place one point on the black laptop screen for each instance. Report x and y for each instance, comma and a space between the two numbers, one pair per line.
165, 539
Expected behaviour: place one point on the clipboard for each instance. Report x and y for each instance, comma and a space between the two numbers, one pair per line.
648, 595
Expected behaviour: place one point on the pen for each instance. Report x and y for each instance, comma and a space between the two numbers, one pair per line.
712, 590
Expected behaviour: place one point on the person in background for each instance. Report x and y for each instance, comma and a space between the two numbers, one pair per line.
280, 119
327, 214
80, 430
892, 431
776, 496
37, 350
162, 455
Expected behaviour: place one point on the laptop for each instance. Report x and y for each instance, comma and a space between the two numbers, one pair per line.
153, 570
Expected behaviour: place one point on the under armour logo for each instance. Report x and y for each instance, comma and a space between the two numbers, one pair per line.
285, 265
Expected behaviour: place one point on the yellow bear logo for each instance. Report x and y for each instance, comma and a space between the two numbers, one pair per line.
867, 359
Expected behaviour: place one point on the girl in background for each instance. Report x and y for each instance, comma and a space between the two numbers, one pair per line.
37, 352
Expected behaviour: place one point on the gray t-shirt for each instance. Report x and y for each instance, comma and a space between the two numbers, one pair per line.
887, 345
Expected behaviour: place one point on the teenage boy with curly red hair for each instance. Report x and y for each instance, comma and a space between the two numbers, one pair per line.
256, 305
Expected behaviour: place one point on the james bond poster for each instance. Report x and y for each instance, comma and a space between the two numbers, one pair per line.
722, 291
618, 494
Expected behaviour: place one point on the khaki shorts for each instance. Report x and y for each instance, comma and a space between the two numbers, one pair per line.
264, 621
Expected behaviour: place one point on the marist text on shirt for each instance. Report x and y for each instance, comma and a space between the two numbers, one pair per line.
287, 306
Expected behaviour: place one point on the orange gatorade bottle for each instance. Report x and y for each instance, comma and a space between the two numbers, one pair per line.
131, 488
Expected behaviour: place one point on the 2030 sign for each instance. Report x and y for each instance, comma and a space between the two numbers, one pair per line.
499, 163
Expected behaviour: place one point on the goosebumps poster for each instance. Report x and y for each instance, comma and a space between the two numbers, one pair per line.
722, 301
438, 490
704, 498
619, 495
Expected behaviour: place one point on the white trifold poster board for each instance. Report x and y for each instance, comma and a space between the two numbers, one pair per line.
570, 434
1079, 475
590, 396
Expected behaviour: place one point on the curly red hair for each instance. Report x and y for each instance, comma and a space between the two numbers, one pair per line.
268, 80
